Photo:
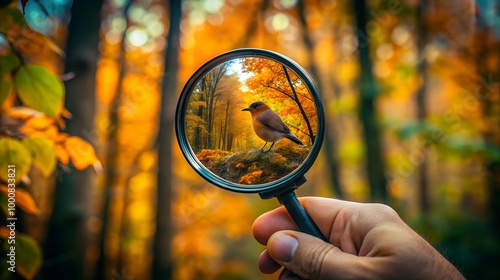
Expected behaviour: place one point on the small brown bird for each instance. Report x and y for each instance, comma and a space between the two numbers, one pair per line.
268, 125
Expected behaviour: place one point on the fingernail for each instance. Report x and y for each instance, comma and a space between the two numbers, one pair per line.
288, 275
283, 247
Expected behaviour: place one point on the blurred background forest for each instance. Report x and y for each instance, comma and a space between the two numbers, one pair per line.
411, 95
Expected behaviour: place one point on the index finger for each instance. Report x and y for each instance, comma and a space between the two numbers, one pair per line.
323, 211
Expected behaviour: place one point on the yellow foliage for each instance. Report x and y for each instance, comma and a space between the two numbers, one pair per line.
147, 161
32, 124
61, 154
208, 221
348, 72
81, 153
106, 78
38, 123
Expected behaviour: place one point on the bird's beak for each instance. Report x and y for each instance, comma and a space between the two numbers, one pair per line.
246, 109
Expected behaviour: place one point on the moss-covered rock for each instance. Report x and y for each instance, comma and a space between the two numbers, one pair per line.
254, 166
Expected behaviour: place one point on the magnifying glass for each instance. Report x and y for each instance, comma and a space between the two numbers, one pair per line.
251, 121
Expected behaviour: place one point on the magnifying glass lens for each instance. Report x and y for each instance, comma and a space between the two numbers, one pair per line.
251, 121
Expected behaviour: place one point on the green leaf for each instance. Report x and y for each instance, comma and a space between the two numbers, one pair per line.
28, 256
5, 87
43, 154
8, 63
39, 89
11, 18
13, 153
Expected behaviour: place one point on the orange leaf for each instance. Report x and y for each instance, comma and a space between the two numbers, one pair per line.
61, 137
250, 178
67, 114
23, 113
80, 152
41, 126
39, 123
4, 232
62, 154
50, 133
23, 200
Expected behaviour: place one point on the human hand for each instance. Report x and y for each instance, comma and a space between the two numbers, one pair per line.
366, 241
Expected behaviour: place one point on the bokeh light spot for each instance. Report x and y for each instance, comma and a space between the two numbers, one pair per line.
213, 6
113, 37
136, 13
400, 35
284, 4
196, 17
119, 3
280, 22
137, 37
384, 51
118, 24
155, 28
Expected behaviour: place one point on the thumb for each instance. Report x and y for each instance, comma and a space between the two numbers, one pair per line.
312, 258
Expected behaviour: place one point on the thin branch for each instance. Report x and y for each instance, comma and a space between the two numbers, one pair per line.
15, 51
296, 98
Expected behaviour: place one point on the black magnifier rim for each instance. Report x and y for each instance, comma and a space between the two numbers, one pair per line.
180, 127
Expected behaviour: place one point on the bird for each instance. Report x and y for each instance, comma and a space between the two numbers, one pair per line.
268, 125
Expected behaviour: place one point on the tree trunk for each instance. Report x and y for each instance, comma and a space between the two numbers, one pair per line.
230, 141
197, 132
210, 121
421, 102
369, 91
328, 145
162, 258
224, 132
65, 247
244, 42
488, 94
211, 80
105, 261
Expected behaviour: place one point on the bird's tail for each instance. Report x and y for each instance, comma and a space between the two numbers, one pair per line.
294, 138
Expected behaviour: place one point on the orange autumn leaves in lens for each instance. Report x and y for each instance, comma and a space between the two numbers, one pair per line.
217, 127
276, 84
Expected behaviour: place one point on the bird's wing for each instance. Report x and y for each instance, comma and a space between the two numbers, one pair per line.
271, 120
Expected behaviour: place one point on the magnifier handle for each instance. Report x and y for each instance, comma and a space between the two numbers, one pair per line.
299, 214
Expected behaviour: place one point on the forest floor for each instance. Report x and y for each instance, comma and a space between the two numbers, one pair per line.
254, 166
